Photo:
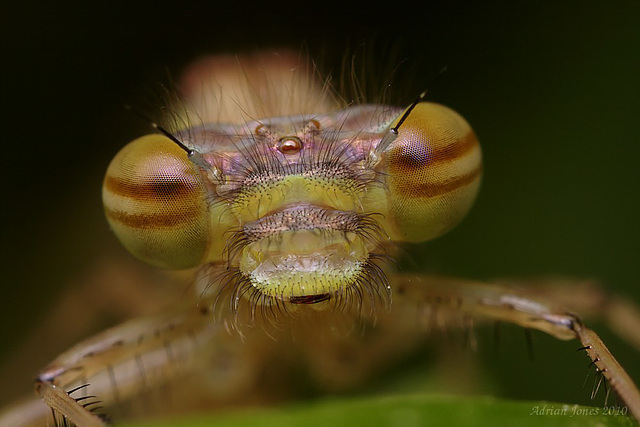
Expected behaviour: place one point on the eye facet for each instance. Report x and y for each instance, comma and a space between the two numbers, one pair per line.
434, 169
155, 202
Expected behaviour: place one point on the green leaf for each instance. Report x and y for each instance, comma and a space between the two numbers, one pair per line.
406, 411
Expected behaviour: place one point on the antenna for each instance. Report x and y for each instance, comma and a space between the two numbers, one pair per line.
392, 133
160, 129
194, 155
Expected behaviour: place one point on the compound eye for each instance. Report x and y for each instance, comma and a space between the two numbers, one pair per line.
155, 202
434, 170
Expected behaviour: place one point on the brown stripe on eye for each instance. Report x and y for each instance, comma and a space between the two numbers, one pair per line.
430, 189
151, 189
414, 155
456, 149
155, 220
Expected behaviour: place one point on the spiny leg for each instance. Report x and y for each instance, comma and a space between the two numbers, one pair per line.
588, 298
128, 360
111, 291
501, 303
70, 409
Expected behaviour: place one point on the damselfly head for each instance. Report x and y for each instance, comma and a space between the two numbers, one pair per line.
299, 206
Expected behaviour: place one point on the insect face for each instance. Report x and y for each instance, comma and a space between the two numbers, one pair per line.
298, 209
287, 202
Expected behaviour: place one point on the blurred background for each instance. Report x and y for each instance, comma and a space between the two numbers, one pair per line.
552, 90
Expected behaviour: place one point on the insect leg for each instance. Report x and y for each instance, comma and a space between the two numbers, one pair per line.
494, 302
123, 362
588, 298
61, 402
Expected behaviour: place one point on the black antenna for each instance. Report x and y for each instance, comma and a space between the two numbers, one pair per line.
160, 129
194, 155
392, 134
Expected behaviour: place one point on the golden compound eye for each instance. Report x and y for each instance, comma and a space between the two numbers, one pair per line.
413, 156
434, 168
155, 202
289, 145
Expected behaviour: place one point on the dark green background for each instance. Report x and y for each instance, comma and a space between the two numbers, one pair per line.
551, 88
